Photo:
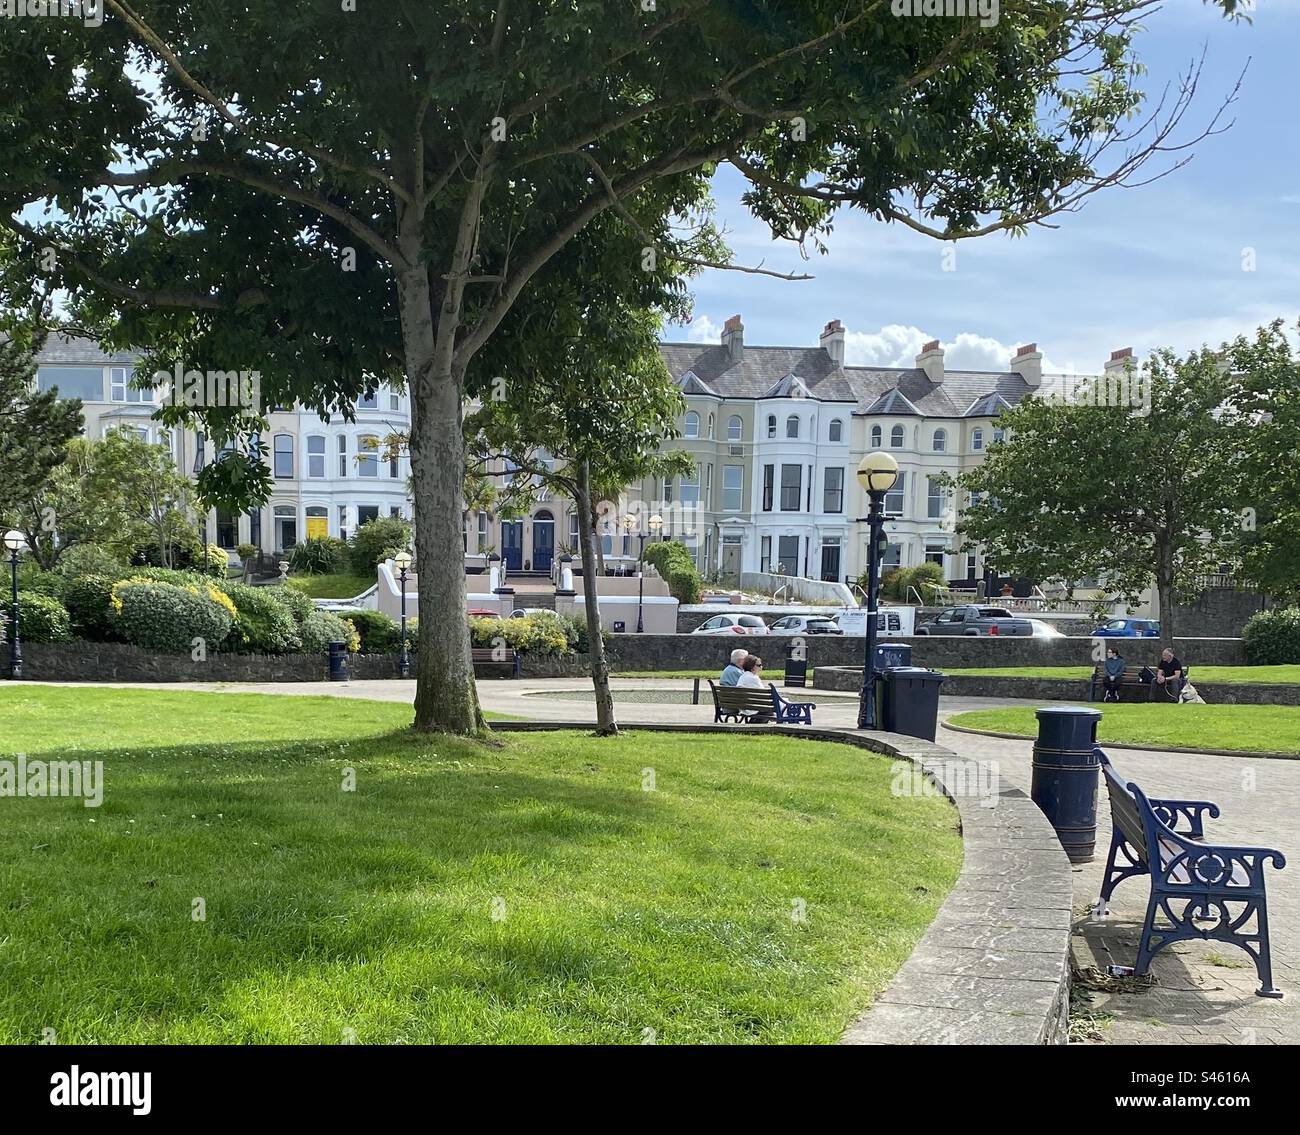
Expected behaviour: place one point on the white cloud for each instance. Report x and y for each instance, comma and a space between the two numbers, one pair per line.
701, 329
896, 345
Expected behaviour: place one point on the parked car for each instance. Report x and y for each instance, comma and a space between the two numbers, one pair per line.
972, 620
524, 612
482, 613
732, 624
1044, 629
804, 624
1129, 628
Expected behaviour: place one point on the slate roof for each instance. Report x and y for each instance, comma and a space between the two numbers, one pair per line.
769, 372
61, 351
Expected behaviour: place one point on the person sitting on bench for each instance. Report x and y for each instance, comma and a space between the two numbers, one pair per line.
731, 672
1112, 675
751, 680
1169, 674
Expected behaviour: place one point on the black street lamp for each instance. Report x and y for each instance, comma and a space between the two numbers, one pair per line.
402, 561
877, 474
15, 541
655, 523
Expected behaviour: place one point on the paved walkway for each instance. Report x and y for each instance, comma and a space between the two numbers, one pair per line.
1204, 992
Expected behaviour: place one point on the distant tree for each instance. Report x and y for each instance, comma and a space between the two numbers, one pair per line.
1133, 496
35, 427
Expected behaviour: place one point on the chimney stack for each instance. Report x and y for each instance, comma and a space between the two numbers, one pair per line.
733, 338
1119, 361
832, 339
930, 360
1028, 363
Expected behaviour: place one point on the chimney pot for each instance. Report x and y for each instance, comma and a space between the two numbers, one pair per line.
1122, 353
1028, 349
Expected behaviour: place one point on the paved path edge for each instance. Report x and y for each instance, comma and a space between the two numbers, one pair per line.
1251, 754
994, 965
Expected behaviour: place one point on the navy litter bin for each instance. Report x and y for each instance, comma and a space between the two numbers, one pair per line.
796, 663
338, 661
1065, 776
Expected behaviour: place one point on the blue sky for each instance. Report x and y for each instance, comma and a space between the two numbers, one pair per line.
1159, 265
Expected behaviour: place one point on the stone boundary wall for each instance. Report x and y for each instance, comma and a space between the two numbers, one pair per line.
1064, 689
993, 966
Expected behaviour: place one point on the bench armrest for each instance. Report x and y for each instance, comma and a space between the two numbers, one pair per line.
1171, 813
1213, 866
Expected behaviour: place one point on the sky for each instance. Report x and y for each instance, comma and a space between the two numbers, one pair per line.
1163, 265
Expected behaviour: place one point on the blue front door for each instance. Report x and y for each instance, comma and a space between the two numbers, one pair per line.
543, 541
512, 544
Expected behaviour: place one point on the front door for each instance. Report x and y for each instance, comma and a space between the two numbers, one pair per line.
731, 562
543, 541
512, 544
831, 562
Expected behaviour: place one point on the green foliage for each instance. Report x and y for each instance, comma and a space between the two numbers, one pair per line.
89, 599
541, 633
263, 624
1272, 638
215, 562
377, 540
166, 618
898, 584
379, 633
41, 618
322, 628
298, 604
321, 555
92, 559
677, 568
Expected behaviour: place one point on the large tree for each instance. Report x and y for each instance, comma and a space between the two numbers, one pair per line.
1130, 482
334, 193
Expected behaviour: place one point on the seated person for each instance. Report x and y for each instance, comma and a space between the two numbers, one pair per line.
749, 677
1112, 675
1169, 673
731, 672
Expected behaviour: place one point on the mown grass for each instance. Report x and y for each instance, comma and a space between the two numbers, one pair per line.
342, 586
528, 891
1261, 675
1261, 728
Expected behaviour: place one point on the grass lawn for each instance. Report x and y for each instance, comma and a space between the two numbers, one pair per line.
528, 891
1264, 675
332, 586
1266, 728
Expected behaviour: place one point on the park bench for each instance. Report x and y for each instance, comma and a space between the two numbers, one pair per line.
491, 656
1198, 889
1132, 681
743, 704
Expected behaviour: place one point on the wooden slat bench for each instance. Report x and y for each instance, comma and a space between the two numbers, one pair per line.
751, 706
491, 656
1198, 889
1130, 683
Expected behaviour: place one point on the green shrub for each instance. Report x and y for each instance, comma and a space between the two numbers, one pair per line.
541, 633
89, 599
168, 618
263, 624
298, 605
677, 569
1272, 638
91, 559
323, 555
323, 628
32, 577
380, 633
215, 562
377, 540
41, 618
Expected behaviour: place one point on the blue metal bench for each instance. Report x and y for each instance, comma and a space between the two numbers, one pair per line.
1198, 890
750, 706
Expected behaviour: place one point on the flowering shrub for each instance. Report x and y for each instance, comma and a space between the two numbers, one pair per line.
168, 618
541, 633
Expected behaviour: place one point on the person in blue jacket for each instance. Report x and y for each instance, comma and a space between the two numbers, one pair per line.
1112, 675
732, 672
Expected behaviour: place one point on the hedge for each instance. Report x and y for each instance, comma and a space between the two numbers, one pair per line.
323, 628
376, 540
263, 623
541, 633
41, 618
677, 568
89, 599
1272, 638
379, 633
168, 618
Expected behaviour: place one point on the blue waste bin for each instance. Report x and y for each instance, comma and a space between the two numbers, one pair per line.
338, 661
1065, 776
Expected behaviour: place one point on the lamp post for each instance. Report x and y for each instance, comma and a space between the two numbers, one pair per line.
877, 474
15, 541
402, 561
655, 523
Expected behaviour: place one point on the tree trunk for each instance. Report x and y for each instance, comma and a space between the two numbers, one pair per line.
600, 543
445, 697
606, 726
1165, 593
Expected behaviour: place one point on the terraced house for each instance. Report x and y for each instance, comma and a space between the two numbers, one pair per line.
328, 477
777, 434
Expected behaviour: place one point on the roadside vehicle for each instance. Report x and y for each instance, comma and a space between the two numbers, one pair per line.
973, 620
732, 624
524, 612
1044, 629
1128, 628
804, 624
891, 622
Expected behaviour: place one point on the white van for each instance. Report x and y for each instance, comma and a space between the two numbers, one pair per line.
891, 622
